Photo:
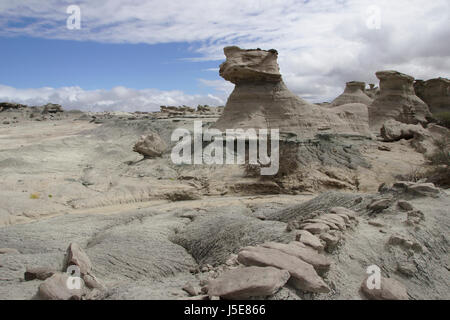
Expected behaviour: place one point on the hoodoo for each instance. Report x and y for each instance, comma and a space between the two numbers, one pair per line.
354, 93
261, 100
397, 100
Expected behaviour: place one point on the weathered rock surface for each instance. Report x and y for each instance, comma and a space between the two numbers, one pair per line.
303, 275
397, 101
390, 289
75, 255
56, 288
247, 282
354, 92
305, 253
52, 108
150, 145
9, 251
261, 100
435, 93
421, 139
309, 239
40, 273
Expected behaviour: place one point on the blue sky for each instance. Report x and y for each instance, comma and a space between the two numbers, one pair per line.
33, 62
140, 54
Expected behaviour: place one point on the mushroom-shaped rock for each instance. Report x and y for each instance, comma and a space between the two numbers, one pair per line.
247, 282
150, 145
397, 100
354, 92
261, 100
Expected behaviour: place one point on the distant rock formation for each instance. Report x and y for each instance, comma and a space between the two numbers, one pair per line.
354, 93
435, 93
52, 108
150, 146
397, 101
260, 99
9, 105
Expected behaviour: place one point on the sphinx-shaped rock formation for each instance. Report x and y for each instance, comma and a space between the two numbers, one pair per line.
354, 93
261, 100
397, 101
435, 93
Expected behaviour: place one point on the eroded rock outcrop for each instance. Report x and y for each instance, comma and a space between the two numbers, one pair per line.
52, 108
247, 282
150, 145
354, 93
435, 93
397, 100
261, 100
422, 139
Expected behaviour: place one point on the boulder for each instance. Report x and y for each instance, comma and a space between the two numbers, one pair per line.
150, 146
354, 92
11, 106
421, 139
393, 130
261, 100
9, 251
76, 256
305, 253
390, 289
247, 282
303, 275
405, 205
315, 228
56, 288
397, 101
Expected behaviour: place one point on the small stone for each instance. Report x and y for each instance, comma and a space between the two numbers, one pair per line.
93, 283
390, 289
405, 205
425, 189
384, 148
379, 205
376, 223
76, 256
40, 273
189, 288
331, 240
406, 268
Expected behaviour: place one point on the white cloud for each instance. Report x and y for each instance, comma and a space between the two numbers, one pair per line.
321, 43
118, 98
